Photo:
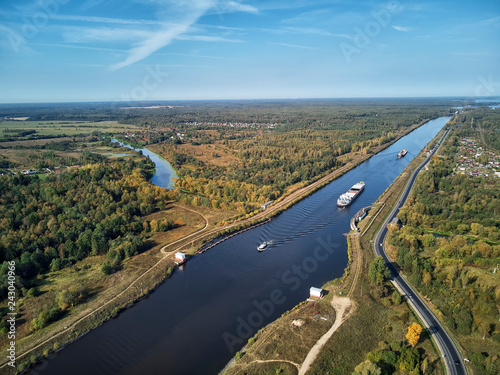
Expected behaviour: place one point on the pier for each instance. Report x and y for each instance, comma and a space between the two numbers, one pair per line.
358, 217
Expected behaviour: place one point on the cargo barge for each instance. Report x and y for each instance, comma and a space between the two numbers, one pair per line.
347, 198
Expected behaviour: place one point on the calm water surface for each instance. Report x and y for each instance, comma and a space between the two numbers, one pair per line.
164, 174
185, 326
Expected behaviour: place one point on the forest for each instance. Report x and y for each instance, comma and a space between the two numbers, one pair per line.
87, 200
449, 244
51, 222
54, 219
243, 167
305, 112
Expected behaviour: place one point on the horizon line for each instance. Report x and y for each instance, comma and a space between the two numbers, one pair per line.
253, 99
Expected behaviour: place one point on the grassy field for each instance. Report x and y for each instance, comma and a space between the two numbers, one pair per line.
120, 289
27, 158
60, 128
24, 156
87, 274
214, 154
24, 149
375, 323
286, 341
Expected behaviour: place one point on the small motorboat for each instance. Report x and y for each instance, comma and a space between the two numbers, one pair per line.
263, 246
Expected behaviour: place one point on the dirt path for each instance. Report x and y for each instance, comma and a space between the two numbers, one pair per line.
162, 250
341, 305
343, 309
165, 254
198, 235
358, 260
201, 234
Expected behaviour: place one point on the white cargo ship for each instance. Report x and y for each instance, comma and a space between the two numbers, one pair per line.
347, 198
402, 154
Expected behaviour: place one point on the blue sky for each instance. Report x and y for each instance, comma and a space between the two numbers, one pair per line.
108, 50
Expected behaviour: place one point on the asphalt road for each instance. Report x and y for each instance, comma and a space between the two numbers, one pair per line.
449, 352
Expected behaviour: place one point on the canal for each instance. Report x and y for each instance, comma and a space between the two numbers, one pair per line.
195, 321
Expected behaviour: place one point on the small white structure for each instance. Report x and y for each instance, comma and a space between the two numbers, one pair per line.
180, 257
264, 206
298, 322
396, 221
316, 292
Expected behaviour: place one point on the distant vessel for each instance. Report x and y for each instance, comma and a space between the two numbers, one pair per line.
402, 153
263, 246
347, 198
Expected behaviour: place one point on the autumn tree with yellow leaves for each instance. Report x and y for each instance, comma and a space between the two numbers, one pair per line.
413, 334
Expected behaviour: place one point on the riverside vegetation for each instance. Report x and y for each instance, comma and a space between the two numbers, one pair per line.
373, 340
449, 245
100, 214
240, 167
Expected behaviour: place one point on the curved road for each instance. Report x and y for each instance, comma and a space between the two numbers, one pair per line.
449, 352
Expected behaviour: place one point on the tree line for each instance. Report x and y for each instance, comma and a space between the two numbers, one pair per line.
47, 224
449, 246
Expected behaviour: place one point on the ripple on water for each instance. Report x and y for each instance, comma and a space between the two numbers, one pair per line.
179, 329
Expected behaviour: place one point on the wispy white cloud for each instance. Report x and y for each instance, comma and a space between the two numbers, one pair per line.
292, 45
271, 5
300, 30
310, 30
14, 40
227, 28
154, 43
207, 38
495, 21
311, 17
107, 34
89, 4
193, 55
187, 13
401, 28
121, 21
233, 6
62, 45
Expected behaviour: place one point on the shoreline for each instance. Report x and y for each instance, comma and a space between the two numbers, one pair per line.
162, 270
355, 247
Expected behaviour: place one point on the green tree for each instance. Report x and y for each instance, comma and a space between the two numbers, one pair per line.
378, 271
99, 244
55, 265
396, 297
107, 268
367, 368
68, 298
409, 361
464, 321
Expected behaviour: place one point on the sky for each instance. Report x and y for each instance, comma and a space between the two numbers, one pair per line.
140, 50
